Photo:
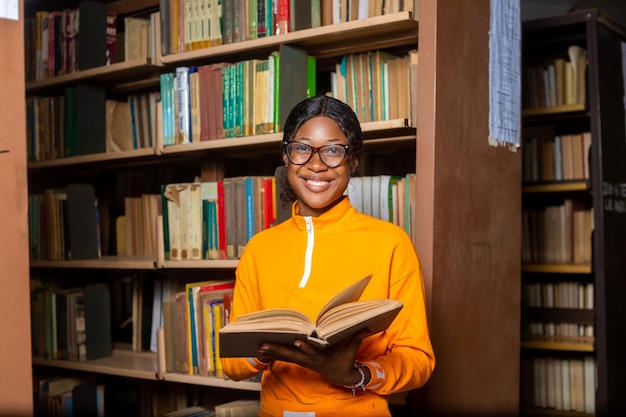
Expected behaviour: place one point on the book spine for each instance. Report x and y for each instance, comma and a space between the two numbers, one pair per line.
111, 28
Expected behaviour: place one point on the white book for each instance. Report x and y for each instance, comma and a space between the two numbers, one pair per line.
367, 195
182, 105
589, 373
567, 398
355, 193
385, 191
376, 197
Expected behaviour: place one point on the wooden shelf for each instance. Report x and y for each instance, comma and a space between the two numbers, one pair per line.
202, 264
211, 381
549, 111
557, 268
561, 346
139, 68
121, 363
385, 131
94, 158
325, 41
143, 366
106, 262
556, 187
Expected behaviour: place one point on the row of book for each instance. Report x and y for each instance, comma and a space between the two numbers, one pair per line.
561, 383
386, 197
235, 408
200, 220
246, 98
566, 294
60, 396
64, 224
558, 295
557, 158
83, 121
558, 83
60, 42
67, 41
191, 324
377, 85
71, 324
200, 24
557, 234
215, 220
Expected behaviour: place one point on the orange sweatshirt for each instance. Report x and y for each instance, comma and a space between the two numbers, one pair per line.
303, 262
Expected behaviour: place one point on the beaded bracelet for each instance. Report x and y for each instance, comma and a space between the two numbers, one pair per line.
361, 383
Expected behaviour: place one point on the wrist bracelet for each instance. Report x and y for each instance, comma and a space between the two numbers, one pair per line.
361, 383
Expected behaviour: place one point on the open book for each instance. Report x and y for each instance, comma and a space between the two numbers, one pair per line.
340, 318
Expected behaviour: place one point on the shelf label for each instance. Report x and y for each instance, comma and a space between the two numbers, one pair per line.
614, 197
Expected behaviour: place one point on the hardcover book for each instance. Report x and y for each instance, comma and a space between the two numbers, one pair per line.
343, 316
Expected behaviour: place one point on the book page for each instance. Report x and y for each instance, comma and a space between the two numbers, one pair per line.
275, 314
350, 294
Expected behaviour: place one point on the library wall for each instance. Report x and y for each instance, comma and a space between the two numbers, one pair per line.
468, 218
15, 361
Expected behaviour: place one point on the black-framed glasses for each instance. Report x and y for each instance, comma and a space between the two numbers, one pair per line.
300, 153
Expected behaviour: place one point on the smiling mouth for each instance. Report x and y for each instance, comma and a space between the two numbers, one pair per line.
317, 183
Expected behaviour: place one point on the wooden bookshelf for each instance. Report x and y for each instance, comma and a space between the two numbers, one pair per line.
602, 116
443, 145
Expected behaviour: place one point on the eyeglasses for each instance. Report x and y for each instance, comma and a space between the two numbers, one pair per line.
300, 153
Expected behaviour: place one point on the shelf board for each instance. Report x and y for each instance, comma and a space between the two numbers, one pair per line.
549, 111
561, 346
396, 130
325, 41
93, 158
556, 187
115, 72
211, 381
106, 262
203, 264
121, 363
558, 268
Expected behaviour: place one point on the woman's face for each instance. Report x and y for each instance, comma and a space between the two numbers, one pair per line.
317, 186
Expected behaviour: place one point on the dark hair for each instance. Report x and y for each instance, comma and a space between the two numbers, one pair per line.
332, 108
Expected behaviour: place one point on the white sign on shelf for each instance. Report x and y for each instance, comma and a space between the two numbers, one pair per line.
9, 9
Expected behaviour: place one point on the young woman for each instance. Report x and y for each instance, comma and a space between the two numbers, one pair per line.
324, 247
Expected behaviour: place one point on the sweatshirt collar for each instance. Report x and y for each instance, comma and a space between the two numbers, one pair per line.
329, 218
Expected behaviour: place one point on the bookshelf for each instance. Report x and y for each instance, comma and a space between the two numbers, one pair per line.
472, 238
601, 114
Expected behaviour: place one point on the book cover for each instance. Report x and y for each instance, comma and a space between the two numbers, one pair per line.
97, 301
293, 79
92, 34
90, 120
342, 317
83, 224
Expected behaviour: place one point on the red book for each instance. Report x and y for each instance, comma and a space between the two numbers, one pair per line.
281, 17
268, 202
221, 220
111, 38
